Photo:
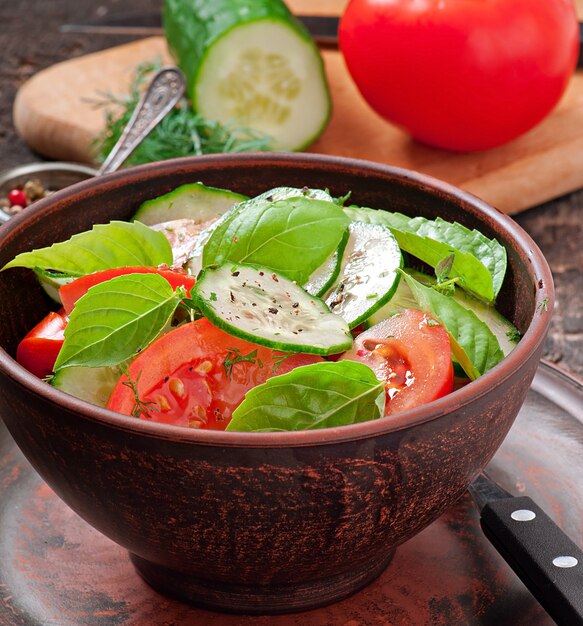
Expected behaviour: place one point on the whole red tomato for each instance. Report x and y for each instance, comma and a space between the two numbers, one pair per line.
461, 74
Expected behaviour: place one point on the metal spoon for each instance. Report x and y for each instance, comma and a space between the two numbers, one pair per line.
163, 93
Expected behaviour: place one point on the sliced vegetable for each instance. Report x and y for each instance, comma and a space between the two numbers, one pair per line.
473, 344
252, 62
196, 375
259, 305
116, 244
38, 350
117, 319
51, 282
71, 292
92, 384
193, 201
293, 236
345, 393
186, 238
478, 261
323, 279
411, 352
368, 275
506, 333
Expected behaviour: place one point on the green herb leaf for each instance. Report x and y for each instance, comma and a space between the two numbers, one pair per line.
473, 344
106, 246
320, 395
479, 262
234, 356
292, 236
117, 319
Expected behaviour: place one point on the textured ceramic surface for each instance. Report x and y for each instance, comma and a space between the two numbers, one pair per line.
263, 522
56, 569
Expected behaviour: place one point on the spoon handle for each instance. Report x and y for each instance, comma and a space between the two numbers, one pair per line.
165, 90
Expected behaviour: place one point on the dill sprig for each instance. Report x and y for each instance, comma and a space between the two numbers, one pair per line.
181, 133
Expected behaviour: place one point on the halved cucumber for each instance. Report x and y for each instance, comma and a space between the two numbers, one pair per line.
193, 201
368, 275
252, 62
256, 304
92, 384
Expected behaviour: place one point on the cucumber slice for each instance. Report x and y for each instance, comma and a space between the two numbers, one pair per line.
368, 276
256, 304
323, 279
193, 201
252, 62
503, 329
51, 282
92, 384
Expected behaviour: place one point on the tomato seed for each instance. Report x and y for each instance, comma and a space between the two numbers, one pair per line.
163, 403
176, 387
204, 367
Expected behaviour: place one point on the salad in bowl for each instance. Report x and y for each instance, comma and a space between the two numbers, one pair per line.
262, 401
292, 309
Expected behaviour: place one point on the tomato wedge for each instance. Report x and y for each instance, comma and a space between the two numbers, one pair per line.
71, 292
411, 352
196, 375
39, 348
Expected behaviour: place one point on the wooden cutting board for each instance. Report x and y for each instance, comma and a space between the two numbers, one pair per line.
55, 114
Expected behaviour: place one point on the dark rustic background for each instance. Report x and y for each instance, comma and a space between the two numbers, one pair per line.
30, 40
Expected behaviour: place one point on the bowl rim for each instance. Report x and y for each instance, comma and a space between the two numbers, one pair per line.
531, 340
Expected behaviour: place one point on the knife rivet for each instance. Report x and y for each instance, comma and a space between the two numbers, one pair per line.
523, 515
565, 561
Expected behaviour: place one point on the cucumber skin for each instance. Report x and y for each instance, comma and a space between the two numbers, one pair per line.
192, 26
163, 203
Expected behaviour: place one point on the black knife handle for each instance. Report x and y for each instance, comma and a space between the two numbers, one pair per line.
540, 553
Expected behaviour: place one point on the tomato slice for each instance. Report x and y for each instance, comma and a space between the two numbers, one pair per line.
72, 291
197, 375
411, 352
39, 348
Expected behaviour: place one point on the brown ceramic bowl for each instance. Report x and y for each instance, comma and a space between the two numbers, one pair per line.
263, 522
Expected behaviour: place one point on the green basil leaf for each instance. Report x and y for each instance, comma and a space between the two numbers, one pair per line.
117, 319
292, 236
117, 244
211, 248
478, 261
473, 344
320, 395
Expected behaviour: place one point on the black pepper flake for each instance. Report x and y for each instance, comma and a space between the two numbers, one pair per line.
261, 273
295, 305
232, 296
236, 273
274, 277
272, 310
